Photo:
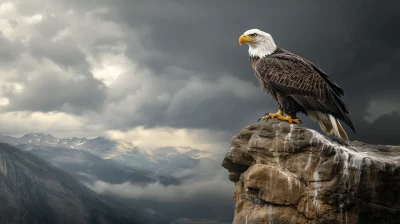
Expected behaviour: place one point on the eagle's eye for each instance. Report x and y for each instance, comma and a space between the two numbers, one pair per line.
253, 35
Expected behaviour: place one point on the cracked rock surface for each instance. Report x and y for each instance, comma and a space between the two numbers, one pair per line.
285, 173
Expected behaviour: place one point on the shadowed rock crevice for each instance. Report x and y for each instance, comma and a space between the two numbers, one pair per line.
286, 173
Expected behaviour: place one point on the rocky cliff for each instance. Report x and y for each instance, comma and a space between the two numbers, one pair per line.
286, 173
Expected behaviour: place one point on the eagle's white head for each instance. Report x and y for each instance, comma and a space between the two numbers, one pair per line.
260, 43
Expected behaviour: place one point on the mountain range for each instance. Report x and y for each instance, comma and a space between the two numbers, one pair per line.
33, 191
166, 164
161, 160
111, 163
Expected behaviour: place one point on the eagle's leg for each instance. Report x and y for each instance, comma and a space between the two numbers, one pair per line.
290, 108
276, 115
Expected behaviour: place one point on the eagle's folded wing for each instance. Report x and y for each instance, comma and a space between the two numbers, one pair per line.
290, 75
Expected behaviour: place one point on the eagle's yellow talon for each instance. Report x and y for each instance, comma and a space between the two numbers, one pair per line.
278, 115
289, 119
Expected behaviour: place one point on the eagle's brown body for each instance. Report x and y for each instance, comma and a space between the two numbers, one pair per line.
297, 85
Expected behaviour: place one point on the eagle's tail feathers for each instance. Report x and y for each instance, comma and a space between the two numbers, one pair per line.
342, 132
329, 124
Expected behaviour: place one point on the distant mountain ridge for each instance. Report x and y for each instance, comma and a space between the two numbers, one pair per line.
101, 146
33, 191
160, 161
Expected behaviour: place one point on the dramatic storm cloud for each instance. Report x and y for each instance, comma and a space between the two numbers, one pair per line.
111, 68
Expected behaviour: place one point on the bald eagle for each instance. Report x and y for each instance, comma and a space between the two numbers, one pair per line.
296, 85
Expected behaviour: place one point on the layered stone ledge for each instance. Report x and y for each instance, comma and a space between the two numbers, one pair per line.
286, 173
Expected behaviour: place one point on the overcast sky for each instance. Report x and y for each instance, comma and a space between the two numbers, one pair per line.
172, 73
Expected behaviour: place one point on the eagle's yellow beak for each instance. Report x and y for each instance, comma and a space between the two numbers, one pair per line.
244, 39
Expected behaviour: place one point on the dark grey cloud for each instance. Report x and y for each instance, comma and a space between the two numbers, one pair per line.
183, 104
63, 52
9, 50
54, 91
44, 61
203, 35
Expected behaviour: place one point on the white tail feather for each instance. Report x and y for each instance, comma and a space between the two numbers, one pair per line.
342, 132
334, 125
329, 124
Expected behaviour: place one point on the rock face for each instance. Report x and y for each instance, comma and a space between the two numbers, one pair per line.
285, 173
